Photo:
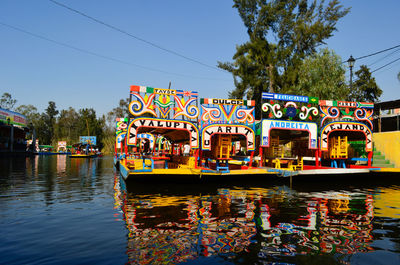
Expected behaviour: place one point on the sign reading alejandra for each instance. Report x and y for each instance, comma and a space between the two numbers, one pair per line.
166, 124
208, 131
346, 126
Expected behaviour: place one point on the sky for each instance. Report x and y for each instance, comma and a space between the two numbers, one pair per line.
49, 53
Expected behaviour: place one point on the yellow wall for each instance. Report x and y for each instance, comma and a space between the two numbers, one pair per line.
388, 143
387, 203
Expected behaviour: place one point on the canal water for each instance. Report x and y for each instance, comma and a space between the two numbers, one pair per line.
57, 210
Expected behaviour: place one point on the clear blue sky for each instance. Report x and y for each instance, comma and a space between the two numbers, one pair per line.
36, 71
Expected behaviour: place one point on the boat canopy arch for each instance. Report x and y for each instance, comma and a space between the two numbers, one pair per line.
342, 126
232, 129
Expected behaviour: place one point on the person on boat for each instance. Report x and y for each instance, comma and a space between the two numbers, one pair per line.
145, 150
186, 149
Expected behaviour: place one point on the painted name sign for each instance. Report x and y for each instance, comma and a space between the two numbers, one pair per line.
346, 126
166, 124
284, 97
208, 131
226, 101
164, 91
268, 125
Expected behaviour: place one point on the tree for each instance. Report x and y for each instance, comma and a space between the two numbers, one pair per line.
89, 125
322, 75
7, 102
364, 88
297, 28
122, 111
30, 112
47, 123
66, 125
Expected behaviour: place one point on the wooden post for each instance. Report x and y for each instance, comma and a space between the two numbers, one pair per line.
251, 159
261, 156
370, 154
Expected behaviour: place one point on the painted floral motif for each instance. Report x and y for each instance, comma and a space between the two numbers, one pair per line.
364, 115
329, 113
212, 114
290, 110
245, 115
142, 105
306, 111
185, 108
359, 114
274, 108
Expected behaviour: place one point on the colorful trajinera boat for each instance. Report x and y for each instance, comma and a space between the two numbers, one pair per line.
171, 133
316, 136
86, 148
174, 133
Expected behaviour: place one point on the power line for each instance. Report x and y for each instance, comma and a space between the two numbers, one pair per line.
97, 54
365, 56
133, 36
375, 53
386, 65
393, 52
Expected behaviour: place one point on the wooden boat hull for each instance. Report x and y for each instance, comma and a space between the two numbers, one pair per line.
196, 173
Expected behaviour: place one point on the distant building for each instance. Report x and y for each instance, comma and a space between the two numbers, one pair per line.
387, 116
13, 129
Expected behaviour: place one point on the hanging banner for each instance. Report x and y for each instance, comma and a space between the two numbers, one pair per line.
163, 124
210, 130
310, 127
346, 126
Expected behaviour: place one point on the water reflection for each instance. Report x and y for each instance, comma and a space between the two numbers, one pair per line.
266, 223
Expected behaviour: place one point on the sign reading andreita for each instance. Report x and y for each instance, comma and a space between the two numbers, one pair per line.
310, 127
208, 132
346, 126
161, 123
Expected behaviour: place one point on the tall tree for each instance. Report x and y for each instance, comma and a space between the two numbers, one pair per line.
31, 113
323, 75
66, 125
281, 34
89, 124
121, 111
364, 88
48, 120
7, 102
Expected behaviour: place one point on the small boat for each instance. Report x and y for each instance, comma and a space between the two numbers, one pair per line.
83, 150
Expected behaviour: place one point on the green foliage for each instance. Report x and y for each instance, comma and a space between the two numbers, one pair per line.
364, 88
48, 119
7, 102
66, 127
281, 35
121, 111
322, 75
